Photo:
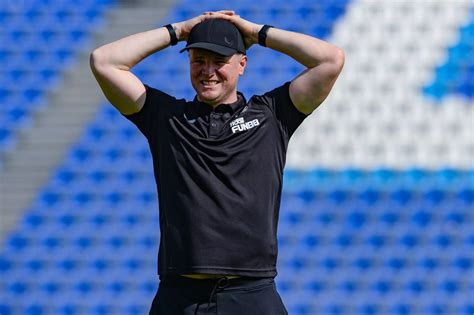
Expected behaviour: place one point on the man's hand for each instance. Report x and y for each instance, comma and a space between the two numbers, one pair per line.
184, 28
248, 29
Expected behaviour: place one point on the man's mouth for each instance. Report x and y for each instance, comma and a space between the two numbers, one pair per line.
209, 82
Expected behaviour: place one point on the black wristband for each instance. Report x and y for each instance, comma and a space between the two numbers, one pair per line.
174, 38
262, 35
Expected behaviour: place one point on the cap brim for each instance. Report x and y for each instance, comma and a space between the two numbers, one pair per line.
221, 50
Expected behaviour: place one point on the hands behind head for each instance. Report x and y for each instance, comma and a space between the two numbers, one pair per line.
248, 29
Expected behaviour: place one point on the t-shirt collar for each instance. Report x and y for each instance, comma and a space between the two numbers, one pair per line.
205, 108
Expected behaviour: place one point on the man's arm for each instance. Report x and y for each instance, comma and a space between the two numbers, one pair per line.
323, 61
111, 65
112, 62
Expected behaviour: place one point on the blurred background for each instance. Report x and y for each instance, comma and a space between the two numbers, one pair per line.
377, 212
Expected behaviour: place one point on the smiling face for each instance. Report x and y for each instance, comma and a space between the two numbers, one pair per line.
214, 77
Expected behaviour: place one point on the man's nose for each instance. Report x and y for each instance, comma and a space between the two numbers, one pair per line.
208, 68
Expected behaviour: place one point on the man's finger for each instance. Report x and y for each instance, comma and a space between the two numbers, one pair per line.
219, 15
215, 15
228, 12
224, 12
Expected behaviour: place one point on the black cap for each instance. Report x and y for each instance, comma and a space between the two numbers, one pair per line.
217, 35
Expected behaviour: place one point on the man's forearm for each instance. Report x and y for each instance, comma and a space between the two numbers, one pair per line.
307, 50
126, 52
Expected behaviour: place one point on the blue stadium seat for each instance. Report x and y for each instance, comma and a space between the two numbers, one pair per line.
401, 308
7, 140
133, 308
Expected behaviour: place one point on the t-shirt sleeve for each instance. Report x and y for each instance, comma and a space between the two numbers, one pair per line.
287, 115
148, 119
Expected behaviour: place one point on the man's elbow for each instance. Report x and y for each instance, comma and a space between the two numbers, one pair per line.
96, 59
339, 60
333, 66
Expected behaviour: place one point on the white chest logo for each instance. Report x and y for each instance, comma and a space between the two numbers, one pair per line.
239, 124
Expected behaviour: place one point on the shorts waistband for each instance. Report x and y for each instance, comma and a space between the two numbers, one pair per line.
204, 276
179, 280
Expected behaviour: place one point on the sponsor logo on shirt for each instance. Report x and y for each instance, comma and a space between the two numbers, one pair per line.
239, 124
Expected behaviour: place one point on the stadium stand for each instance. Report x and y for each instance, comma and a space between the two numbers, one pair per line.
364, 235
39, 40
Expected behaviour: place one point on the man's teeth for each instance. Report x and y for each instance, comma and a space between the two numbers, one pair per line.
206, 82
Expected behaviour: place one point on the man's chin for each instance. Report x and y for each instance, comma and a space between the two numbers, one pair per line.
208, 98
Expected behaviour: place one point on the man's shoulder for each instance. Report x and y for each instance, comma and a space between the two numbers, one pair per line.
159, 93
268, 97
162, 97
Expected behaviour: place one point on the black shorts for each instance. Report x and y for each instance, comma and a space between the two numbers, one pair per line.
178, 295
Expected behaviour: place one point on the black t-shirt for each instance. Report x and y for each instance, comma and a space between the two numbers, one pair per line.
219, 175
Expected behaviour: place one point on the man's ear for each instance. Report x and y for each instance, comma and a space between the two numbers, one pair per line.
242, 64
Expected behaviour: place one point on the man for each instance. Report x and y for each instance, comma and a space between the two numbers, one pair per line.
219, 159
